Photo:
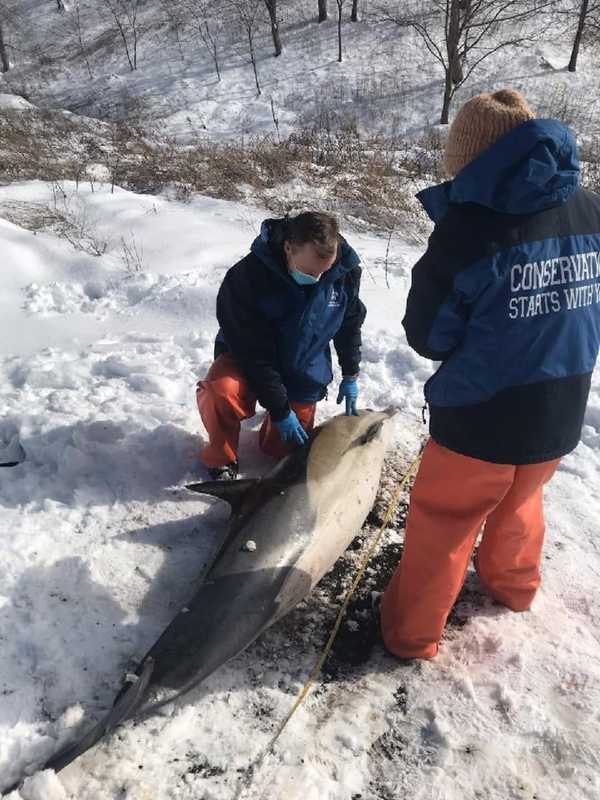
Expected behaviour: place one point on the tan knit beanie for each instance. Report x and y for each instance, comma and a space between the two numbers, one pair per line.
481, 120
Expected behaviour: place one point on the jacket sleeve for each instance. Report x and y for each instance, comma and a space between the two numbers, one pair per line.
250, 340
436, 318
348, 339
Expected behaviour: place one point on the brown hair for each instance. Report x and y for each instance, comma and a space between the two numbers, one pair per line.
322, 230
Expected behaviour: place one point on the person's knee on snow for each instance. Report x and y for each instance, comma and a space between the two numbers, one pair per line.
279, 309
224, 400
226, 393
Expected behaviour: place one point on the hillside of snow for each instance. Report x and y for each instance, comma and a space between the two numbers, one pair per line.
386, 84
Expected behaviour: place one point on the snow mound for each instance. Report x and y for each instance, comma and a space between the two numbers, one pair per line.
183, 294
14, 102
43, 786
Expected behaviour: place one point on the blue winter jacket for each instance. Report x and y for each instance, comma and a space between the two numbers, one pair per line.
280, 332
507, 296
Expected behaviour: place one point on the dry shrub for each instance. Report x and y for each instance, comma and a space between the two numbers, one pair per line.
373, 180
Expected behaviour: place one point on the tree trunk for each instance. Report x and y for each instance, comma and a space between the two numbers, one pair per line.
79, 30
215, 57
322, 10
122, 31
60, 4
3, 54
253, 59
583, 12
125, 43
354, 14
176, 26
448, 94
339, 32
211, 45
452, 42
272, 9
216, 62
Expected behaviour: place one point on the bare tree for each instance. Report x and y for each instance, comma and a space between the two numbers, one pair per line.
77, 27
176, 17
209, 35
61, 5
272, 9
3, 51
340, 6
461, 34
354, 14
207, 19
587, 17
592, 25
322, 10
125, 15
248, 12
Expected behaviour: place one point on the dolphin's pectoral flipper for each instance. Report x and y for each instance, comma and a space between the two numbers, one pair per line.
125, 705
233, 492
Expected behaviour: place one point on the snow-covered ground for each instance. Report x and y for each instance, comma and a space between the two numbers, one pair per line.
98, 364
99, 356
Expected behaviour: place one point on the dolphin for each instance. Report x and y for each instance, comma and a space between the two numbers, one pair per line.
285, 532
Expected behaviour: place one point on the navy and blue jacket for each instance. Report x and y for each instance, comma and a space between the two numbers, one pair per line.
279, 332
507, 297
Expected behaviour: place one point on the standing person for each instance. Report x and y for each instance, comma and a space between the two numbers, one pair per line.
507, 297
279, 308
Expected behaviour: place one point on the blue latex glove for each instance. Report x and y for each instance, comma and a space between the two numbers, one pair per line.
349, 392
291, 430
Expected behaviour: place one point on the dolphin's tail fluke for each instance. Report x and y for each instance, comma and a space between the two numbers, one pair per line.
128, 701
126, 705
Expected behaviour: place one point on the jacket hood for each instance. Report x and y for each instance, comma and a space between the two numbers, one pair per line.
534, 167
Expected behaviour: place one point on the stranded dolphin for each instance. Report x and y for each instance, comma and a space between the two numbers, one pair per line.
285, 532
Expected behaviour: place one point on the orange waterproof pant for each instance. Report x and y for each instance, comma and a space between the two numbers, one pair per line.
453, 497
224, 400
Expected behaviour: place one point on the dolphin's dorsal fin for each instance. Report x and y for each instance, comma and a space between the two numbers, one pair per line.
233, 492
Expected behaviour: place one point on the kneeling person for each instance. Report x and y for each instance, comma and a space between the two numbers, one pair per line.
278, 309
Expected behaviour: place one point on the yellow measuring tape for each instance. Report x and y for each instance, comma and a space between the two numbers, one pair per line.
394, 503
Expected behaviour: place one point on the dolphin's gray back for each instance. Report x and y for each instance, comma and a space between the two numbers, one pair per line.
239, 596
299, 519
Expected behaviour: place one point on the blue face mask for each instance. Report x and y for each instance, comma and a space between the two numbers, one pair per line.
302, 279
